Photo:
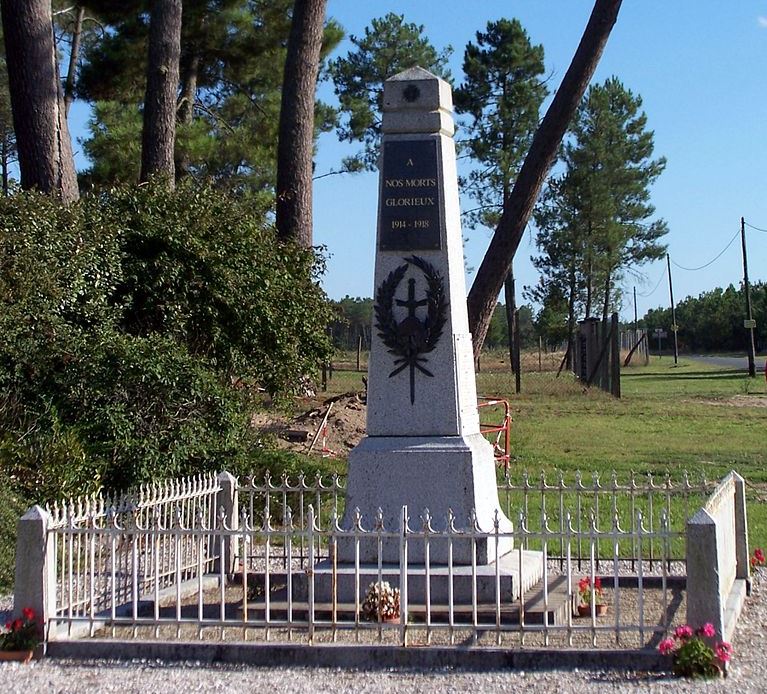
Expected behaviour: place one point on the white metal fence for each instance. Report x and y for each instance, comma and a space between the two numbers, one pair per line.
212, 557
290, 587
532, 495
111, 550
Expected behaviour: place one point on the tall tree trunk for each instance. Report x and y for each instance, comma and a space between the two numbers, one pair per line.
190, 67
74, 55
495, 264
159, 132
4, 165
296, 134
42, 137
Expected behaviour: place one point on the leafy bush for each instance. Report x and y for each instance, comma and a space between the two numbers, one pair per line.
11, 509
135, 327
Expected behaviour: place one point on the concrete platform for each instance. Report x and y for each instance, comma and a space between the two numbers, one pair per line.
551, 609
506, 577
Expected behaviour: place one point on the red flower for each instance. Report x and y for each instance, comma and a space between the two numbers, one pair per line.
683, 632
17, 624
29, 614
707, 630
759, 555
666, 646
723, 651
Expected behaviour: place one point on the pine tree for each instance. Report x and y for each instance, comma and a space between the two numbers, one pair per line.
42, 137
296, 136
7, 134
389, 46
229, 89
502, 94
594, 220
159, 131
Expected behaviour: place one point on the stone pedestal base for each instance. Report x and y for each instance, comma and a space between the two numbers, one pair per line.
438, 473
511, 576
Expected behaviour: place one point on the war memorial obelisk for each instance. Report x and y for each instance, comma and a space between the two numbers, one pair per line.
423, 447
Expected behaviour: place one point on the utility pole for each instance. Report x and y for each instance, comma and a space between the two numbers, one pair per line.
511, 308
636, 320
749, 322
673, 309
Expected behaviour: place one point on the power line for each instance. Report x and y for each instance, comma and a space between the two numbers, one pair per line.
711, 262
660, 279
751, 226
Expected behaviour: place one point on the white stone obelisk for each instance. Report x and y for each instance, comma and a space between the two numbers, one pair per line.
423, 447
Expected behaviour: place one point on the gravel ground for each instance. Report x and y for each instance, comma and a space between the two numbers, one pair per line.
748, 668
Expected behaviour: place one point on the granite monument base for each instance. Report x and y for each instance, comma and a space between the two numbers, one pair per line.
438, 473
513, 574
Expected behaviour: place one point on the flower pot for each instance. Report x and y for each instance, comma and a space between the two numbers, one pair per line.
585, 610
16, 656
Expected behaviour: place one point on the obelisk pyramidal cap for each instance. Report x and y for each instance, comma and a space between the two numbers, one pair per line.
423, 447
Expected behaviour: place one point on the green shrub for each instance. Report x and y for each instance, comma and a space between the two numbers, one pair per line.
135, 328
11, 509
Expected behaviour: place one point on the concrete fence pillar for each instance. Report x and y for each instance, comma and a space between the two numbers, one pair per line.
741, 529
35, 578
225, 545
704, 590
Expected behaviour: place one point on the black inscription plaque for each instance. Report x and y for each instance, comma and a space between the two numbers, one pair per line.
409, 218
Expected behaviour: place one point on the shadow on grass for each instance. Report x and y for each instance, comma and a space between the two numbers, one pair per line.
684, 375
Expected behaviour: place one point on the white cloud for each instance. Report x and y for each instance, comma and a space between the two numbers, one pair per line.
762, 22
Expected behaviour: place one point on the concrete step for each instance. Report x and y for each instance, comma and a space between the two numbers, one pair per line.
515, 572
487, 612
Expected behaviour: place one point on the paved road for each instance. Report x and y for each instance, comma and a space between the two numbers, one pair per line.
729, 362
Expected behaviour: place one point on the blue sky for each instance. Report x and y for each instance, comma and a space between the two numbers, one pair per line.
700, 69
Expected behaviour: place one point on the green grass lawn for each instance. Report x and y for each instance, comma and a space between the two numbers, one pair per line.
691, 416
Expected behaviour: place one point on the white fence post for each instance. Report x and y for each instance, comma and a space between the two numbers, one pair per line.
717, 558
225, 546
741, 529
704, 602
35, 579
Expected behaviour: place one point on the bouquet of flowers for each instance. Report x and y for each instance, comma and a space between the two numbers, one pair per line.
381, 600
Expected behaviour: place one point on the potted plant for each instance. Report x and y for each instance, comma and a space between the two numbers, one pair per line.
20, 637
381, 602
585, 593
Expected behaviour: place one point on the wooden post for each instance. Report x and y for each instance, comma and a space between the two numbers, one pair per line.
511, 307
515, 354
540, 355
359, 352
749, 315
673, 310
615, 359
